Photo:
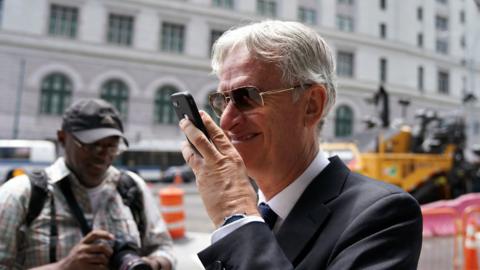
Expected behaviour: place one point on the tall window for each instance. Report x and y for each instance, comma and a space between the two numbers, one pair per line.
214, 35
442, 1
345, 64
383, 70
345, 22
267, 8
443, 82
462, 16
173, 37
383, 4
164, 113
223, 3
63, 21
420, 75
116, 92
383, 30
343, 121
441, 45
120, 29
420, 13
420, 40
345, 2
441, 23
1, 11
56, 93
307, 15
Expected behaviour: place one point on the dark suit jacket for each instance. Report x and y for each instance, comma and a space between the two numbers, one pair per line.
343, 220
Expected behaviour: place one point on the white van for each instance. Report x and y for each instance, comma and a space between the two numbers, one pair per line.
25, 155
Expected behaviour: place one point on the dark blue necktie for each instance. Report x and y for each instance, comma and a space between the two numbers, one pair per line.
267, 214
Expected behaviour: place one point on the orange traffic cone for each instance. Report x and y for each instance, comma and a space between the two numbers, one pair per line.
470, 246
178, 178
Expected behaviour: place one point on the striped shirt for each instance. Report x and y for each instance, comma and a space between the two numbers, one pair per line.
24, 247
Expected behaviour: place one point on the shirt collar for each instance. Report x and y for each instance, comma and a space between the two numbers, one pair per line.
283, 202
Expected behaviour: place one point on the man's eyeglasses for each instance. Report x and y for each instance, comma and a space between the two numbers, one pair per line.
244, 98
113, 150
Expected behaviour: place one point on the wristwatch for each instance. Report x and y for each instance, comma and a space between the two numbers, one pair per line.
232, 218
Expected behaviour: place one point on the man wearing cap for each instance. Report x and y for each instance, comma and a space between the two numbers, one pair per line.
92, 136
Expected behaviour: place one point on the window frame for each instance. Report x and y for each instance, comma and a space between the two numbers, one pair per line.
120, 99
267, 8
174, 40
344, 121
60, 97
161, 104
443, 82
116, 33
345, 68
63, 21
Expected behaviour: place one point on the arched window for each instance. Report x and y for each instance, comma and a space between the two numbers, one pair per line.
209, 109
56, 93
116, 92
343, 121
164, 113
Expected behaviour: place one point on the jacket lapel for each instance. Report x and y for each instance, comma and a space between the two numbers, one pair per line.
310, 211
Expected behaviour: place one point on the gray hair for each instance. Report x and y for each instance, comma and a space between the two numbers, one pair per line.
301, 53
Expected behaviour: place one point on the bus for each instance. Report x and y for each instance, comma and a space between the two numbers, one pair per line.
19, 156
151, 158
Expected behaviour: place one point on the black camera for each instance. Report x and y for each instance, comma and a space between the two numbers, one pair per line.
126, 257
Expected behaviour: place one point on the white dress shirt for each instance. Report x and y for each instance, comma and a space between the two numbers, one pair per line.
283, 202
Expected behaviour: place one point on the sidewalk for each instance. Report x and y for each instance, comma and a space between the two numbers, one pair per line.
187, 248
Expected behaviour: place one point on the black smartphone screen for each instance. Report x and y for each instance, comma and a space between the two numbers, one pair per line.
185, 106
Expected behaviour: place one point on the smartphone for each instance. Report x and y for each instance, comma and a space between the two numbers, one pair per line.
185, 106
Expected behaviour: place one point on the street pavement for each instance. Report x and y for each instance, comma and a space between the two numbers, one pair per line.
198, 227
187, 248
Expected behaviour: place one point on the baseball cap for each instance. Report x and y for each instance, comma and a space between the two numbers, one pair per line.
90, 120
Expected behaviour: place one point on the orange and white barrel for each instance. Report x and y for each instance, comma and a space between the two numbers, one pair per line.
173, 212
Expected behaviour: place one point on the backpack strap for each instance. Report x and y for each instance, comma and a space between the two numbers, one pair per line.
132, 197
39, 186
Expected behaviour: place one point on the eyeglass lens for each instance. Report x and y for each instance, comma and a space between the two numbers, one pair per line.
245, 98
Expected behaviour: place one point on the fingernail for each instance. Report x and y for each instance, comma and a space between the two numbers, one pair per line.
182, 121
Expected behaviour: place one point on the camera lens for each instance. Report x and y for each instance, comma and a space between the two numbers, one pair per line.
175, 103
126, 257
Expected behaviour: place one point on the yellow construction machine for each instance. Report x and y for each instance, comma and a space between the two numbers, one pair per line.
426, 159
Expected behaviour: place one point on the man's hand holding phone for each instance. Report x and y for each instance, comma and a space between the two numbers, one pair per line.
220, 172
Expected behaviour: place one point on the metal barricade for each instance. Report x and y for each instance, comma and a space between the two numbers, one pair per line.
442, 239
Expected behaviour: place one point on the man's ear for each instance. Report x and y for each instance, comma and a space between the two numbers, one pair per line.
61, 137
315, 104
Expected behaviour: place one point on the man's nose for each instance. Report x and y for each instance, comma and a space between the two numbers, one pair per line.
230, 116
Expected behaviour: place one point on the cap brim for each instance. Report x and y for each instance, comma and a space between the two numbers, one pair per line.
93, 135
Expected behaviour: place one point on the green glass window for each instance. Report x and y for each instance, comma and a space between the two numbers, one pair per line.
63, 21
1, 11
443, 80
223, 3
116, 92
56, 93
345, 22
345, 64
267, 8
343, 121
173, 37
120, 29
307, 15
214, 35
164, 113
